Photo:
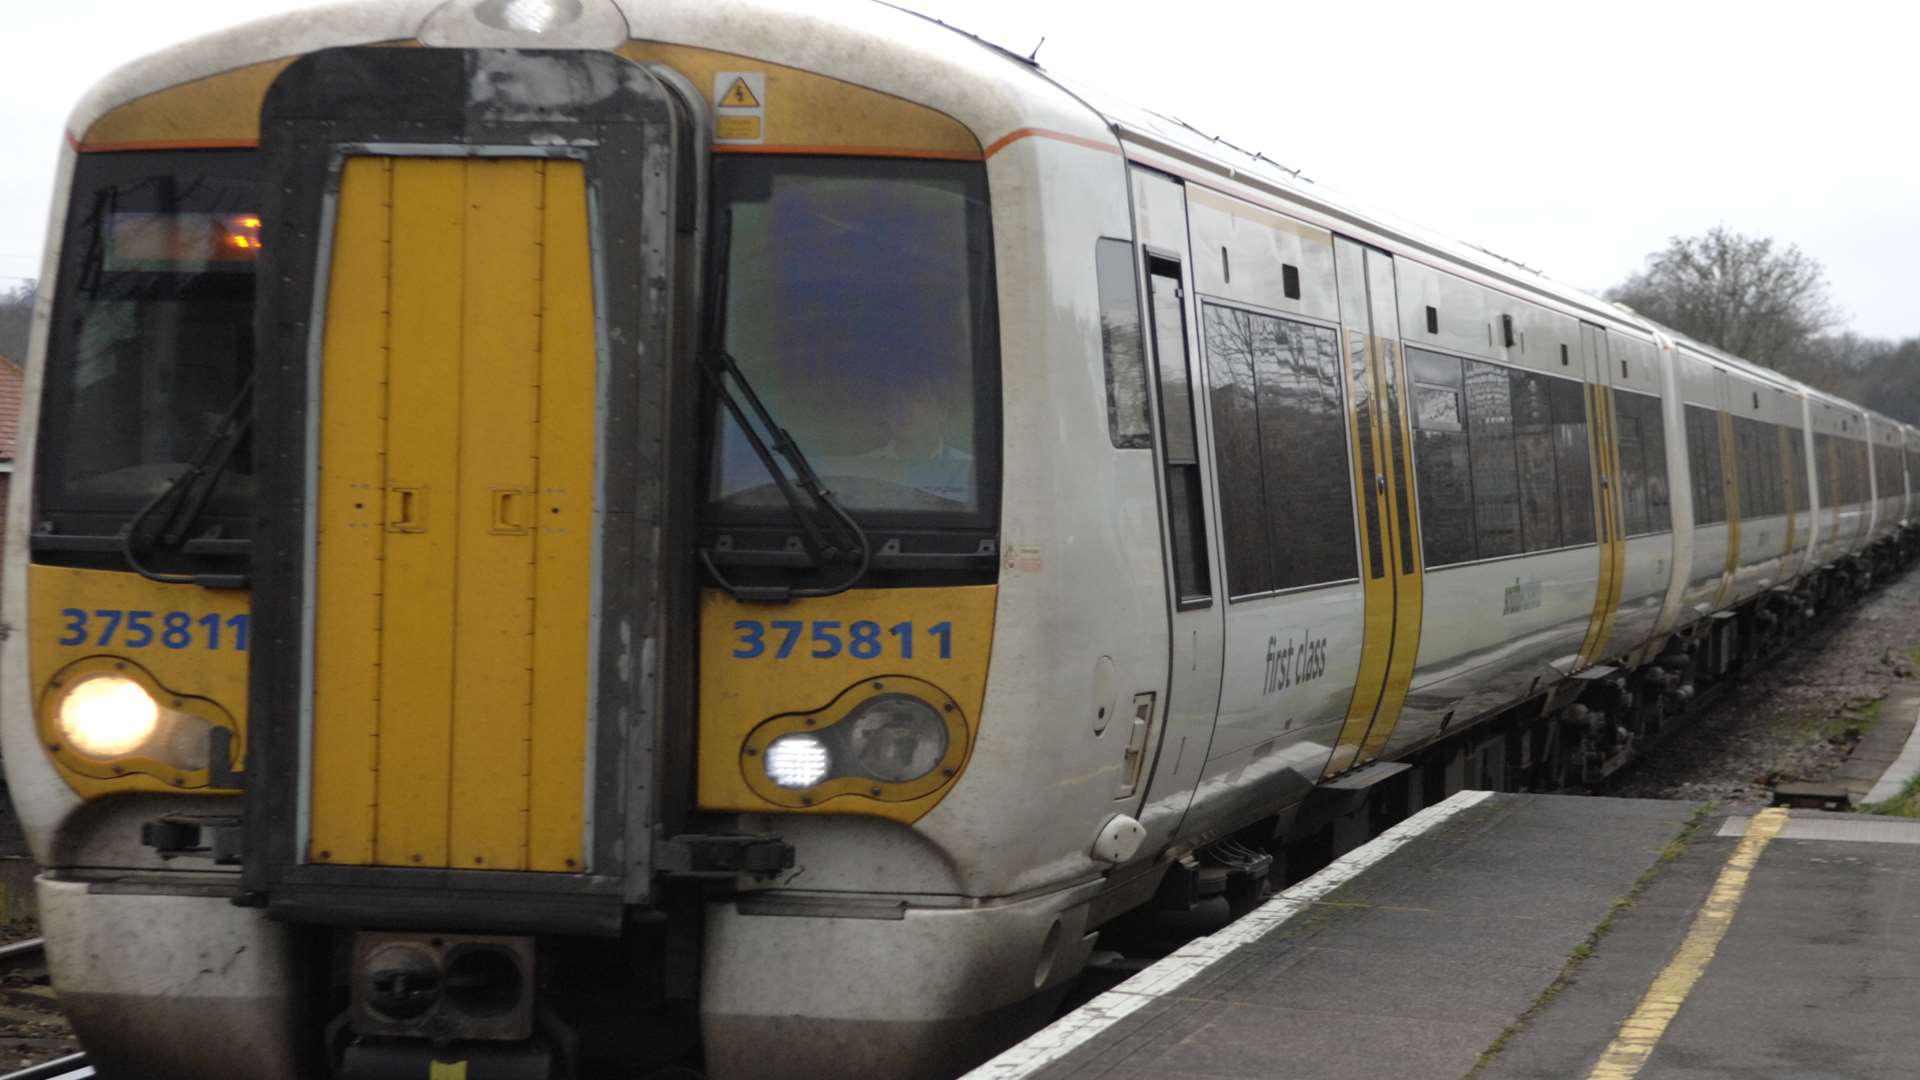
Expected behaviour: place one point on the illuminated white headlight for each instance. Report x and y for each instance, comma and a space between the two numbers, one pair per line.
108, 715
896, 737
797, 761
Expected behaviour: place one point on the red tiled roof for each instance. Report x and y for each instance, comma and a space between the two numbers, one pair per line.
13, 384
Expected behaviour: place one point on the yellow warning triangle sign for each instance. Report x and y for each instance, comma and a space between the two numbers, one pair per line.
738, 96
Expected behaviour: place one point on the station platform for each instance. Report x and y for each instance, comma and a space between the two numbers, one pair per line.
1499, 936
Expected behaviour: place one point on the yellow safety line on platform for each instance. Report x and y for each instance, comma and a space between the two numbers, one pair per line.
1641, 1031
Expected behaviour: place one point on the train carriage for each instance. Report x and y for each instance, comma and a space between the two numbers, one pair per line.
571, 538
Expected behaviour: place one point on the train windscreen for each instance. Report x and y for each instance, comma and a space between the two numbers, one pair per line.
152, 337
859, 304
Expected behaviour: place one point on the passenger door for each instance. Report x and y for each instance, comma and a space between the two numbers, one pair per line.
1168, 740
1608, 526
1390, 558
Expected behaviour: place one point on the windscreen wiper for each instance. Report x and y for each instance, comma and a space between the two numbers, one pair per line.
829, 533
186, 496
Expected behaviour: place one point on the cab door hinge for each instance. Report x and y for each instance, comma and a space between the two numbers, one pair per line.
723, 855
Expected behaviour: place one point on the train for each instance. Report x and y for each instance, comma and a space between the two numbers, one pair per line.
589, 538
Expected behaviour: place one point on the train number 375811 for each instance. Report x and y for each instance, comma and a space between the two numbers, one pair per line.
114, 628
827, 638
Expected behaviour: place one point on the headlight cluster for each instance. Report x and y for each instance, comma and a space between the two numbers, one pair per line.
894, 738
104, 718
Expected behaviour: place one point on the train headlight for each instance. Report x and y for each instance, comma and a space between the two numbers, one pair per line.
893, 739
106, 720
106, 716
896, 737
797, 761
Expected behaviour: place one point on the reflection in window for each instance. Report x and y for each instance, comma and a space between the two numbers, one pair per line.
1121, 345
1496, 480
1540, 525
1286, 505
860, 306
1441, 466
1709, 477
1573, 461
1642, 438
1502, 460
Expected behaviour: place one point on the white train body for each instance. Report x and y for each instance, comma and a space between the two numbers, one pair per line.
1198, 619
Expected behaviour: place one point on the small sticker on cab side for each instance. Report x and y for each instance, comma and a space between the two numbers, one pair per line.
740, 107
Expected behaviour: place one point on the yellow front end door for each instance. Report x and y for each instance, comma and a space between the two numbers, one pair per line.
455, 518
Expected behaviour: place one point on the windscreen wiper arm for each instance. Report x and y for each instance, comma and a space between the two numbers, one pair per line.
849, 542
187, 494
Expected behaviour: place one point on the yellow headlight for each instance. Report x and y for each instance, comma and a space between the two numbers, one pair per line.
108, 715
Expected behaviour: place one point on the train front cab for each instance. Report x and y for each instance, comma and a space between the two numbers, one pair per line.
372, 741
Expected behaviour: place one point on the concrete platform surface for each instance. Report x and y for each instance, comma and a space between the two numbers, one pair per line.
1507, 936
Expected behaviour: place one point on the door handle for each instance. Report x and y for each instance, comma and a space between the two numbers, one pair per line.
509, 512
406, 509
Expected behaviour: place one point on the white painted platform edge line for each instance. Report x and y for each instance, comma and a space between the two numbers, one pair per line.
1904, 768
1068, 1033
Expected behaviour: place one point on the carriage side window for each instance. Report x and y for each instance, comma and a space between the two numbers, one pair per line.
1122, 346
1541, 525
1186, 512
1629, 434
1886, 469
1709, 477
1823, 451
1286, 512
1234, 397
1490, 451
1441, 465
1573, 460
1799, 492
1762, 483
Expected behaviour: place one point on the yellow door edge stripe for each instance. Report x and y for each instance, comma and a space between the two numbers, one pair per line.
1732, 481
1640, 1032
1377, 593
1408, 588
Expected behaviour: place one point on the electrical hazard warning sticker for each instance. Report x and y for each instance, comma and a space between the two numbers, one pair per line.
740, 109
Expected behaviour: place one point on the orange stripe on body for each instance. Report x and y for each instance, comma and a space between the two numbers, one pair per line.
850, 151
1017, 134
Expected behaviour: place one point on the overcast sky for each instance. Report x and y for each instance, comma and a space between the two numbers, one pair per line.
1576, 145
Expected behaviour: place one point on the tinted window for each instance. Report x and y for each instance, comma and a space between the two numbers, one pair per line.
1234, 398
1496, 479
1186, 512
1643, 463
1442, 469
862, 287
1633, 464
1502, 459
1798, 490
1541, 527
1121, 345
1886, 467
1703, 454
1573, 460
1280, 437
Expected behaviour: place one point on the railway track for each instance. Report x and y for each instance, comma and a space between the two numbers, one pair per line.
23, 975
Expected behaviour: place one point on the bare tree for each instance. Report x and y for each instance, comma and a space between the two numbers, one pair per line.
16, 318
1739, 293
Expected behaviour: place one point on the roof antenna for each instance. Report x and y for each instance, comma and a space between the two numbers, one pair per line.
1034, 56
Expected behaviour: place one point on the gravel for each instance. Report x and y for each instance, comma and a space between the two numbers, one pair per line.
1799, 717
